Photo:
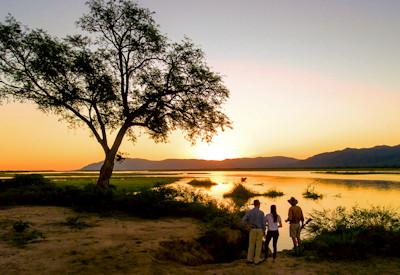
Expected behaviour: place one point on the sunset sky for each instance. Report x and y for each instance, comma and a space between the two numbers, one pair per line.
305, 77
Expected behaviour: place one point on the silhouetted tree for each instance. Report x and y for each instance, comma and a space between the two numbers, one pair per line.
123, 75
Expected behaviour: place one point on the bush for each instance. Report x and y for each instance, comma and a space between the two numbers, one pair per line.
21, 226
76, 222
29, 180
311, 194
239, 191
355, 234
202, 183
152, 203
21, 234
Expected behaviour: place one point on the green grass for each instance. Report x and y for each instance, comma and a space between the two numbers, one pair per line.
240, 192
201, 183
127, 181
76, 222
354, 234
310, 193
128, 184
19, 233
91, 175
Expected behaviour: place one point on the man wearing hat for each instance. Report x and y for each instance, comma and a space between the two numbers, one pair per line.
254, 220
295, 216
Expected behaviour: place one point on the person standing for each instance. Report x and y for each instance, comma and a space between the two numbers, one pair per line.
273, 221
295, 216
254, 220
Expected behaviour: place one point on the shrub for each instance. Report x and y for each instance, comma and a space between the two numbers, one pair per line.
21, 226
21, 234
202, 183
76, 222
223, 236
311, 194
151, 203
241, 192
20, 180
355, 234
21, 239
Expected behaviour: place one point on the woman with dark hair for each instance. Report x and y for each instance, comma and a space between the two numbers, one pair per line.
273, 221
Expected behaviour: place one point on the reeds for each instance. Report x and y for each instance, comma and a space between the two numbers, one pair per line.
310, 193
240, 192
273, 193
354, 234
202, 183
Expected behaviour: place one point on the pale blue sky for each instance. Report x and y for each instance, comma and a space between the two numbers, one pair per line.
357, 39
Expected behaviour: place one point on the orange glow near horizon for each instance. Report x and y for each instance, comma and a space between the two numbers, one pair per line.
274, 121
219, 149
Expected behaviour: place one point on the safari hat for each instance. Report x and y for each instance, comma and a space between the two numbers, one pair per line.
292, 201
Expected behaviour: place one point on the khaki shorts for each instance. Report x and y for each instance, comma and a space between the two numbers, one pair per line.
294, 230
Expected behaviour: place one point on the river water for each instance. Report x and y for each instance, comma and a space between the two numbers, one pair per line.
348, 190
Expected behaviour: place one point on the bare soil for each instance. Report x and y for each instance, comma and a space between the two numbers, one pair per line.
127, 245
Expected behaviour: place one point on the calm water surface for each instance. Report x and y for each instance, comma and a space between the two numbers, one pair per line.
364, 190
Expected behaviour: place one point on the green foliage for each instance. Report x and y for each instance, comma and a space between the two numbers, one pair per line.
76, 222
148, 203
223, 238
354, 234
23, 238
273, 193
310, 193
28, 180
122, 183
124, 74
21, 226
21, 233
223, 235
241, 192
202, 183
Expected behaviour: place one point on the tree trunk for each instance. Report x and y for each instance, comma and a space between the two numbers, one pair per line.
108, 165
106, 171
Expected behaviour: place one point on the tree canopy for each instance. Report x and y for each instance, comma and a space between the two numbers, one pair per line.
120, 74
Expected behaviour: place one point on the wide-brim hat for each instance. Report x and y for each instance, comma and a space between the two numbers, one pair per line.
292, 201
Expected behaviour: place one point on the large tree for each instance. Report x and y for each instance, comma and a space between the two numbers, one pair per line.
120, 74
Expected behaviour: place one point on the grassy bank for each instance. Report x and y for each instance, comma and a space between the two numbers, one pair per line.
357, 233
123, 244
223, 237
128, 184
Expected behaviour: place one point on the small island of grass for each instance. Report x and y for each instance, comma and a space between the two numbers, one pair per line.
240, 192
310, 193
273, 193
202, 183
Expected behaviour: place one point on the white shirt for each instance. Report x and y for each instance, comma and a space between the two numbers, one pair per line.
272, 226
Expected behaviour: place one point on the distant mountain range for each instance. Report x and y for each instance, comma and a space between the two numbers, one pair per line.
378, 156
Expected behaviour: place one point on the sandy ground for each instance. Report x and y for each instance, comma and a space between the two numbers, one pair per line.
126, 245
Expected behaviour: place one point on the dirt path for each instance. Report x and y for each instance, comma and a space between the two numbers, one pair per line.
126, 245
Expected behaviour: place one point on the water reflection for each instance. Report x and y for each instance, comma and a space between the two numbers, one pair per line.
337, 190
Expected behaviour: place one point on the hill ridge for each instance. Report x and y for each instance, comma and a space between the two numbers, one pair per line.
377, 156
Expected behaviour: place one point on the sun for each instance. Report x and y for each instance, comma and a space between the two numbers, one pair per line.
215, 151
